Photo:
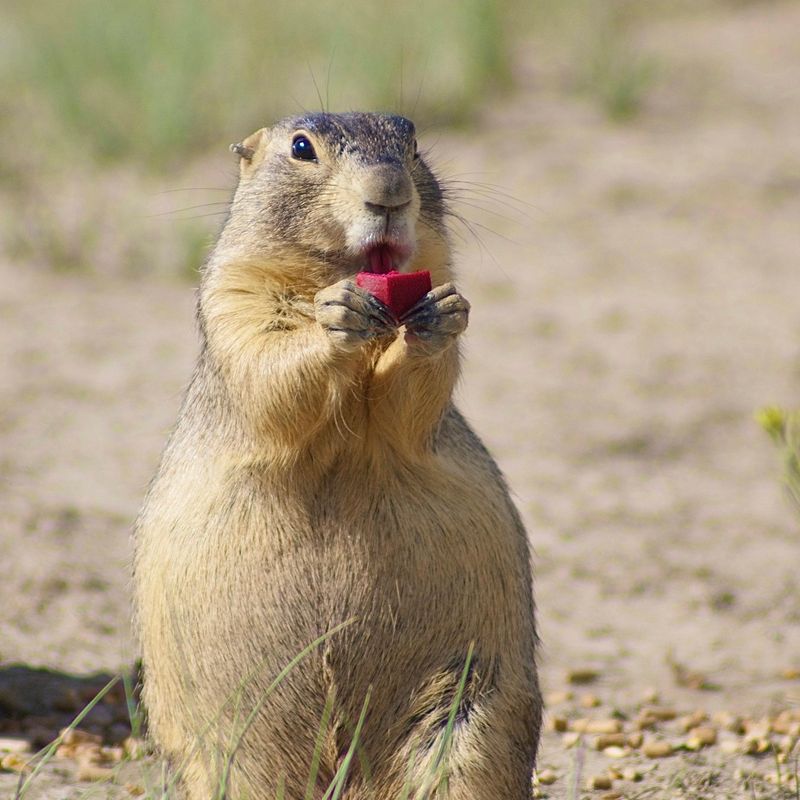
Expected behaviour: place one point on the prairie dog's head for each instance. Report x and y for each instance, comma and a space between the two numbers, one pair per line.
339, 194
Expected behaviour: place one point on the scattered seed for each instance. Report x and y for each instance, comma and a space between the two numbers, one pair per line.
645, 722
596, 725
570, 739
589, 700
730, 747
755, 747
631, 774
784, 724
582, 676
134, 748
700, 737
115, 754
661, 713
559, 724
546, 777
635, 740
616, 752
13, 763
790, 674
558, 698
134, 789
693, 720
77, 736
610, 796
599, 782
609, 740
657, 749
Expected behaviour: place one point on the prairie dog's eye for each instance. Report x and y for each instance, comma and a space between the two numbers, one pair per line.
416, 149
302, 148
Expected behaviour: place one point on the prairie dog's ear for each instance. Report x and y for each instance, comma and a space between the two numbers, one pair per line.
251, 150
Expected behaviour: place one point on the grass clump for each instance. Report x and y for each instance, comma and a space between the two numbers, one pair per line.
428, 782
784, 428
155, 81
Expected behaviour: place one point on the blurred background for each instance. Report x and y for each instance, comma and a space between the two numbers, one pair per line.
628, 180
149, 93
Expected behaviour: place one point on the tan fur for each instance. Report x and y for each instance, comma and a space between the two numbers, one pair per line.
319, 476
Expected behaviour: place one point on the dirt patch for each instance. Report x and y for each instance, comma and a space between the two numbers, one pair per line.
641, 309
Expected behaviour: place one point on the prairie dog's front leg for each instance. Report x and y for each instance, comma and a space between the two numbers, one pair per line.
437, 319
350, 316
414, 378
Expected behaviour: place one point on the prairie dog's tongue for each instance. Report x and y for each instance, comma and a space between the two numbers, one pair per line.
380, 259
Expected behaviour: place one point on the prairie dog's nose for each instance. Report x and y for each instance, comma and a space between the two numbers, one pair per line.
386, 187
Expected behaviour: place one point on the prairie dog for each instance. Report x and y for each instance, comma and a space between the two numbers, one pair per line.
320, 483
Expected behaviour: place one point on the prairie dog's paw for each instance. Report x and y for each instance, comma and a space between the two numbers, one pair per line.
438, 318
351, 316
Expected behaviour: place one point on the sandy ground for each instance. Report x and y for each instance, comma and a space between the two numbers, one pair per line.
635, 305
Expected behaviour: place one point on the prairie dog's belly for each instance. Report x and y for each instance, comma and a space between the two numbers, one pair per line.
424, 559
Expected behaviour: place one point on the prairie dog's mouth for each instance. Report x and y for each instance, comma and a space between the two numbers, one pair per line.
385, 257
